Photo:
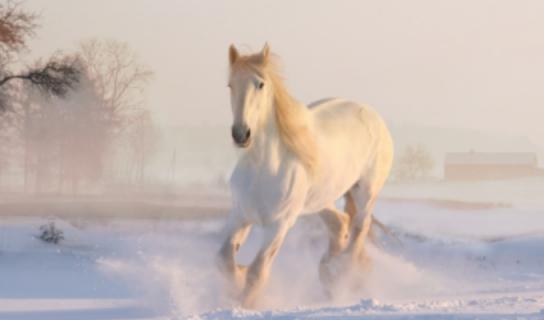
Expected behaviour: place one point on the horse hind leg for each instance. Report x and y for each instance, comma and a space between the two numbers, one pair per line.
349, 206
337, 223
351, 209
364, 199
362, 203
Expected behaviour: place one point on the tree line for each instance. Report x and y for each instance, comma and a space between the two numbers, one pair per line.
70, 120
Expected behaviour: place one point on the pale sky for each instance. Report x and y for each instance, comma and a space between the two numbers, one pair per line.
467, 64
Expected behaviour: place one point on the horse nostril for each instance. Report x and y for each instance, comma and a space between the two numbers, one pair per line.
240, 134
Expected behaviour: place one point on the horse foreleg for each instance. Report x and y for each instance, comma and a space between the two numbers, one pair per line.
237, 232
259, 269
337, 223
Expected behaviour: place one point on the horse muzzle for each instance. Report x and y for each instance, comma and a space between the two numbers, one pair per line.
241, 135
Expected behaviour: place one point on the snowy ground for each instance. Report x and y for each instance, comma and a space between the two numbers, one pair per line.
449, 262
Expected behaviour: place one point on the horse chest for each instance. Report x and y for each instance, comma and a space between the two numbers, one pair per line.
264, 195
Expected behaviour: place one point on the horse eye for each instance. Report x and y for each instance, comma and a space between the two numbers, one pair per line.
261, 85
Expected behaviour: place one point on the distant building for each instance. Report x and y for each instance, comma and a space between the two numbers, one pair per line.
490, 166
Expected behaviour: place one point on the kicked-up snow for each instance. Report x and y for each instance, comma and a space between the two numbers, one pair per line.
443, 263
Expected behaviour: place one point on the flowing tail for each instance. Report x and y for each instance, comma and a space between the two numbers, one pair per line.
385, 229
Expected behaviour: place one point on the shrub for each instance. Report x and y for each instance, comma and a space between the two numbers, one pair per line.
50, 233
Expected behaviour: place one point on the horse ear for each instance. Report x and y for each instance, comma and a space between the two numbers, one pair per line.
265, 53
233, 54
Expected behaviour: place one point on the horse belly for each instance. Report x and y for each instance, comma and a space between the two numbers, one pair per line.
344, 158
332, 184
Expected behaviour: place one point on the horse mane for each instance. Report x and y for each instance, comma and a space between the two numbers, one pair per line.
291, 116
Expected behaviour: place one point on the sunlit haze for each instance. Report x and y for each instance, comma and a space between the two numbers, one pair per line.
453, 64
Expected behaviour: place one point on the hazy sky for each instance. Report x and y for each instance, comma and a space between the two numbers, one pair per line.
469, 64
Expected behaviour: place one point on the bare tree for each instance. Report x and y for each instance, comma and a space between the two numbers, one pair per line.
30, 126
17, 26
66, 131
64, 140
119, 80
414, 163
5, 147
142, 139
56, 77
84, 144
118, 77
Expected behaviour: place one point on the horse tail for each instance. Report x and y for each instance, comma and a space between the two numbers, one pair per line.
377, 224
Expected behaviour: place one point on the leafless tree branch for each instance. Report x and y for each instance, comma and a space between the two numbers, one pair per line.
16, 27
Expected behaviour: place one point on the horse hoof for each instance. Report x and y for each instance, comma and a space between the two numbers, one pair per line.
330, 273
239, 277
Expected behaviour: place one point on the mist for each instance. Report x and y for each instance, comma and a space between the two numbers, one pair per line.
477, 62
116, 154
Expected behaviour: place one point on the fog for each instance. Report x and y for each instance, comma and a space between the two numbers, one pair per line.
124, 173
446, 76
463, 74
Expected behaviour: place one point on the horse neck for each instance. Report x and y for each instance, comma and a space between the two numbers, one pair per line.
269, 146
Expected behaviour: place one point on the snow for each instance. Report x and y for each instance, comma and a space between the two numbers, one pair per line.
521, 193
449, 262
491, 158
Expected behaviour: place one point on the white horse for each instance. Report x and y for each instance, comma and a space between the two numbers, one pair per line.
298, 159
